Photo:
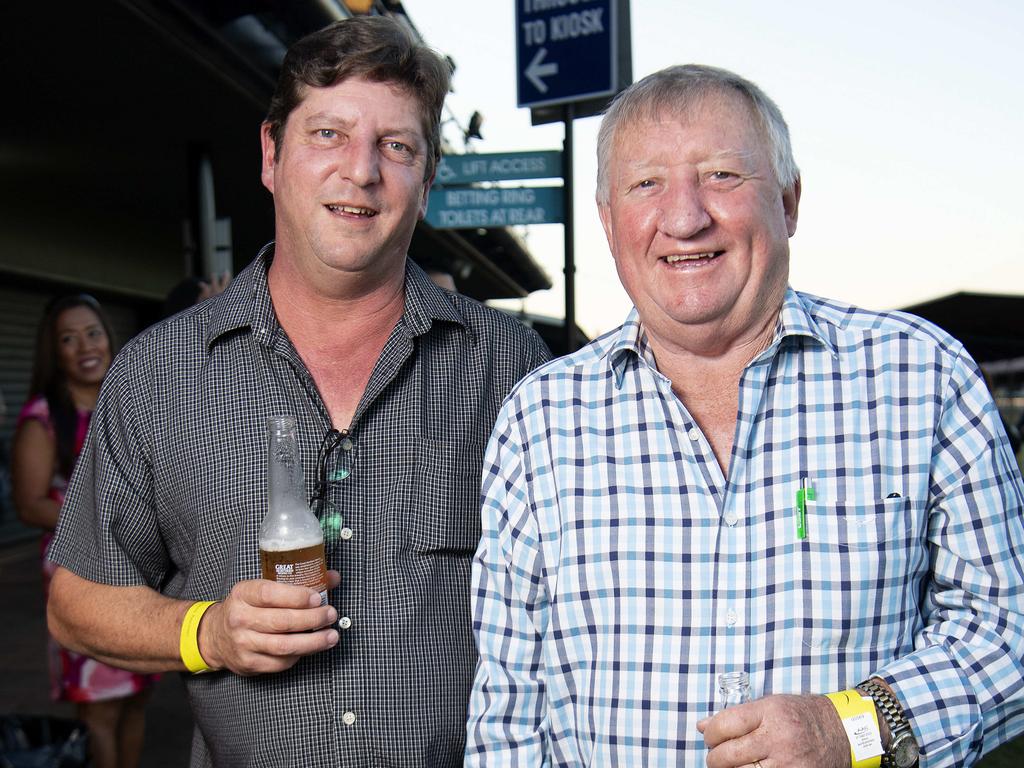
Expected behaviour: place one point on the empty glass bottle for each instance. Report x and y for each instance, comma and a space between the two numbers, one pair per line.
733, 688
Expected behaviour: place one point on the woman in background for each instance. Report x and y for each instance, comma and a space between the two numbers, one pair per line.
73, 352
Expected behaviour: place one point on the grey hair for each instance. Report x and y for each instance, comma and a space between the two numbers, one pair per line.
679, 88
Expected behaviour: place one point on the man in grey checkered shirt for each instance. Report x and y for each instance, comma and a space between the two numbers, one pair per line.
395, 384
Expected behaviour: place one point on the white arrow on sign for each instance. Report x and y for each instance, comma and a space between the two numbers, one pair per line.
536, 70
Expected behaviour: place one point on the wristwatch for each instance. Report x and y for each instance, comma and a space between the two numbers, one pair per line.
903, 751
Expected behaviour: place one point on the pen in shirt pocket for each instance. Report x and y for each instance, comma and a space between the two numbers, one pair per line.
803, 495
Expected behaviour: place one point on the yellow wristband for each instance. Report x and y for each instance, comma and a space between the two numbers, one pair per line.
860, 720
189, 643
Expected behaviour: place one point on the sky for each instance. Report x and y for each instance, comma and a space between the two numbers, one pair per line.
906, 119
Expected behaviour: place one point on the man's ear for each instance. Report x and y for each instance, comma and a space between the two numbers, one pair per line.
791, 205
604, 213
269, 157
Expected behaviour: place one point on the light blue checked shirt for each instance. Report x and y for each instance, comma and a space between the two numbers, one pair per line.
620, 572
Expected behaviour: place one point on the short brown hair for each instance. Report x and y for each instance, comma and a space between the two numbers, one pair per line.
377, 48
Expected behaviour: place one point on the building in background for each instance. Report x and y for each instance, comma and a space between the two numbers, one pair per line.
991, 328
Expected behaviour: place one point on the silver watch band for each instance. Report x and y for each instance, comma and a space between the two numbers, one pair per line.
893, 714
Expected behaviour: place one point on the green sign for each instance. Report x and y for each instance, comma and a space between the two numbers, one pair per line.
473, 207
505, 166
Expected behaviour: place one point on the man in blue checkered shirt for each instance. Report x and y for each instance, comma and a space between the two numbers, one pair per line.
742, 478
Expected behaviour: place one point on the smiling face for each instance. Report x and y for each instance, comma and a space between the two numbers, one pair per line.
697, 223
83, 347
348, 180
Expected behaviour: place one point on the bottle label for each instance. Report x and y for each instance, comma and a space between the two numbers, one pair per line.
304, 566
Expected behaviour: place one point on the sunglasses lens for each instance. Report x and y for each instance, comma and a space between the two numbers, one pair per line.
330, 517
330, 523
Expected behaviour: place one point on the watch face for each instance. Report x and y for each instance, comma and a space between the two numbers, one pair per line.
904, 750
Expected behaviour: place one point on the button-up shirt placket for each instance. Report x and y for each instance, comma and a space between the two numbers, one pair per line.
350, 553
347, 554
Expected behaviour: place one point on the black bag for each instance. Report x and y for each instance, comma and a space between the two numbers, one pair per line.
38, 741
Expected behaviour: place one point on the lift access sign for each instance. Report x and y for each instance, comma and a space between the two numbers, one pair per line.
565, 50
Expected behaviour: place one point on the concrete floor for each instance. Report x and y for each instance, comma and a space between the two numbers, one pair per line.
24, 680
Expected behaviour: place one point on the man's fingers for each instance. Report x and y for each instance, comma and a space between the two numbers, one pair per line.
262, 654
276, 621
333, 579
293, 645
264, 626
250, 640
742, 751
261, 593
731, 723
793, 730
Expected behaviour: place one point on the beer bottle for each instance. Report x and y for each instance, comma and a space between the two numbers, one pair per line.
291, 542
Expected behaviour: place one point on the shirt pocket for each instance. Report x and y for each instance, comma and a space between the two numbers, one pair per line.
445, 498
853, 525
853, 559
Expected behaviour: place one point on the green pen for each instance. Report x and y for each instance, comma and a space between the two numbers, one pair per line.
805, 494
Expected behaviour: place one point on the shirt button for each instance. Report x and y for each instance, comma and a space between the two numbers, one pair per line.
346, 444
731, 518
349, 718
344, 622
731, 618
693, 434
345, 533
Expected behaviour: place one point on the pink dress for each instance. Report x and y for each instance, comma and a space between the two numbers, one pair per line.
74, 677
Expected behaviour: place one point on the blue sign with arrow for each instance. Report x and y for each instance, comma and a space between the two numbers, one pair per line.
566, 50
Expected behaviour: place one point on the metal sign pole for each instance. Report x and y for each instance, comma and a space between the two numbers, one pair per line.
570, 256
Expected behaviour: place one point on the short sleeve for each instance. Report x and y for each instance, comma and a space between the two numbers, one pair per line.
108, 530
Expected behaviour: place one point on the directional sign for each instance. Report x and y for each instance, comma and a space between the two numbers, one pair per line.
566, 50
494, 207
469, 168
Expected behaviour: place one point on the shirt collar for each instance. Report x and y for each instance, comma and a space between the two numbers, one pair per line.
246, 303
795, 321
426, 302
630, 343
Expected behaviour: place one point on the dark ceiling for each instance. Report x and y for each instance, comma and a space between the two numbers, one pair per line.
111, 102
105, 107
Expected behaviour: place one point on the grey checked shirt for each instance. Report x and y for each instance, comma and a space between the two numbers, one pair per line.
171, 489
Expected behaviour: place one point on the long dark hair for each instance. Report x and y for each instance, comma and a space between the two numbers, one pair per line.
50, 381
